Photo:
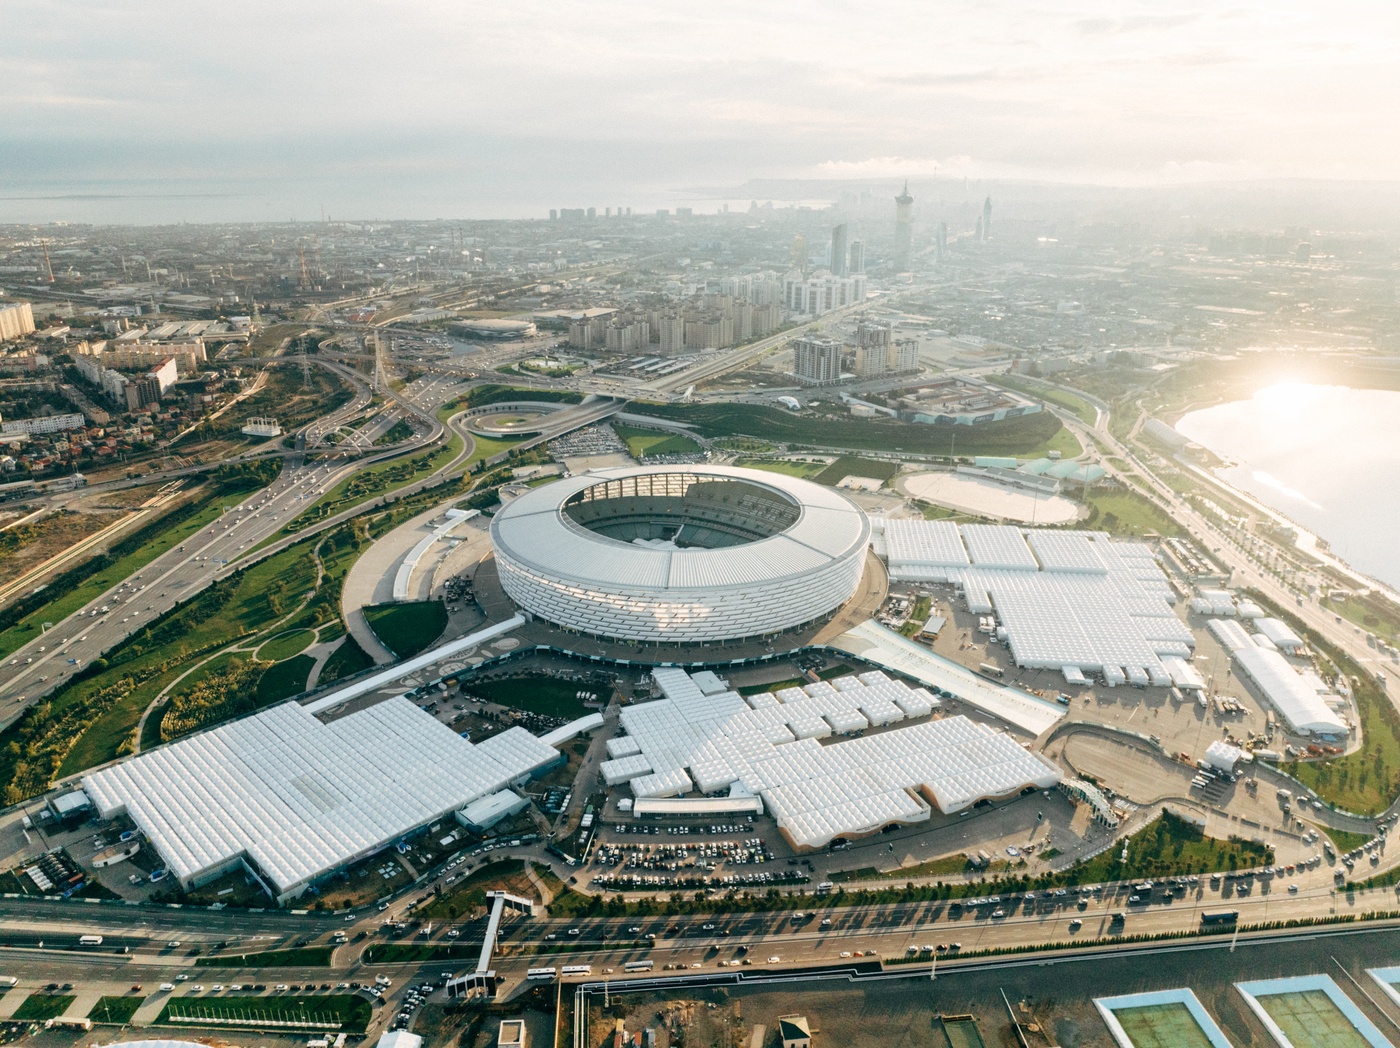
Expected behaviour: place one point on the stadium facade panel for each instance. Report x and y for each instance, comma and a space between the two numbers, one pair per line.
680, 553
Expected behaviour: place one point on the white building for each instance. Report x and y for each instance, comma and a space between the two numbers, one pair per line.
821, 292
291, 799
680, 554
39, 426
16, 321
817, 361
1066, 599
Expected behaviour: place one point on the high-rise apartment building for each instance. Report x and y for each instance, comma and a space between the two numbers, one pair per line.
16, 321
857, 264
879, 353
817, 361
904, 231
822, 292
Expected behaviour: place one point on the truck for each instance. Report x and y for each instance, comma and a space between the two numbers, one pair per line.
1211, 917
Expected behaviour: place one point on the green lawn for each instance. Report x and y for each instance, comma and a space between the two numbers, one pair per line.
642, 443
40, 1006
546, 695
1127, 513
1172, 846
853, 466
1059, 397
1345, 841
347, 659
306, 957
282, 680
1025, 436
408, 627
805, 470
285, 645
339, 1011
115, 1011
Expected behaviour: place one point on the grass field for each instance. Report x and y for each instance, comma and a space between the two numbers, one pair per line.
1345, 841
1059, 397
1127, 513
642, 443
282, 680
409, 627
115, 1011
853, 466
40, 1006
805, 470
1026, 436
1162, 1026
307, 957
1172, 846
347, 659
546, 695
336, 1012
285, 645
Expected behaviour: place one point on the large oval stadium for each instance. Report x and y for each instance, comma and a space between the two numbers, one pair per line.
680, 554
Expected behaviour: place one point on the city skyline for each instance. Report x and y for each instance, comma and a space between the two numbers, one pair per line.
327, 111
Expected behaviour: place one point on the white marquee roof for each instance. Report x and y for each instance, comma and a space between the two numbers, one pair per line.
767, 745
300, 797
1066, 598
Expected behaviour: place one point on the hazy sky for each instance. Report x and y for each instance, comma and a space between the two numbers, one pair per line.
517, 102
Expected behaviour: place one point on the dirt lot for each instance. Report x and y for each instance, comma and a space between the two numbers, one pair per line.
29, 545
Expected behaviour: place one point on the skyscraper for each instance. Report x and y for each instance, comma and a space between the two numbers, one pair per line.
838, 250
987, 219
904, 230
857, 256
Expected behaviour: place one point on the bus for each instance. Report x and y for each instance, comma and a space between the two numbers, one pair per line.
89, 940
1220, 916
541, 973
576, 969
639, 966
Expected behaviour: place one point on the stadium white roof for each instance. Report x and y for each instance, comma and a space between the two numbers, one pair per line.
1066, 598
767, 745
1289, 692
533, 530
299, 798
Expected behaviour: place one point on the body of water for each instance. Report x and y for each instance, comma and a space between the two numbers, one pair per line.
1328, 457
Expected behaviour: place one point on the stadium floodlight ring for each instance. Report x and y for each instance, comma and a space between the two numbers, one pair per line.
680, 554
